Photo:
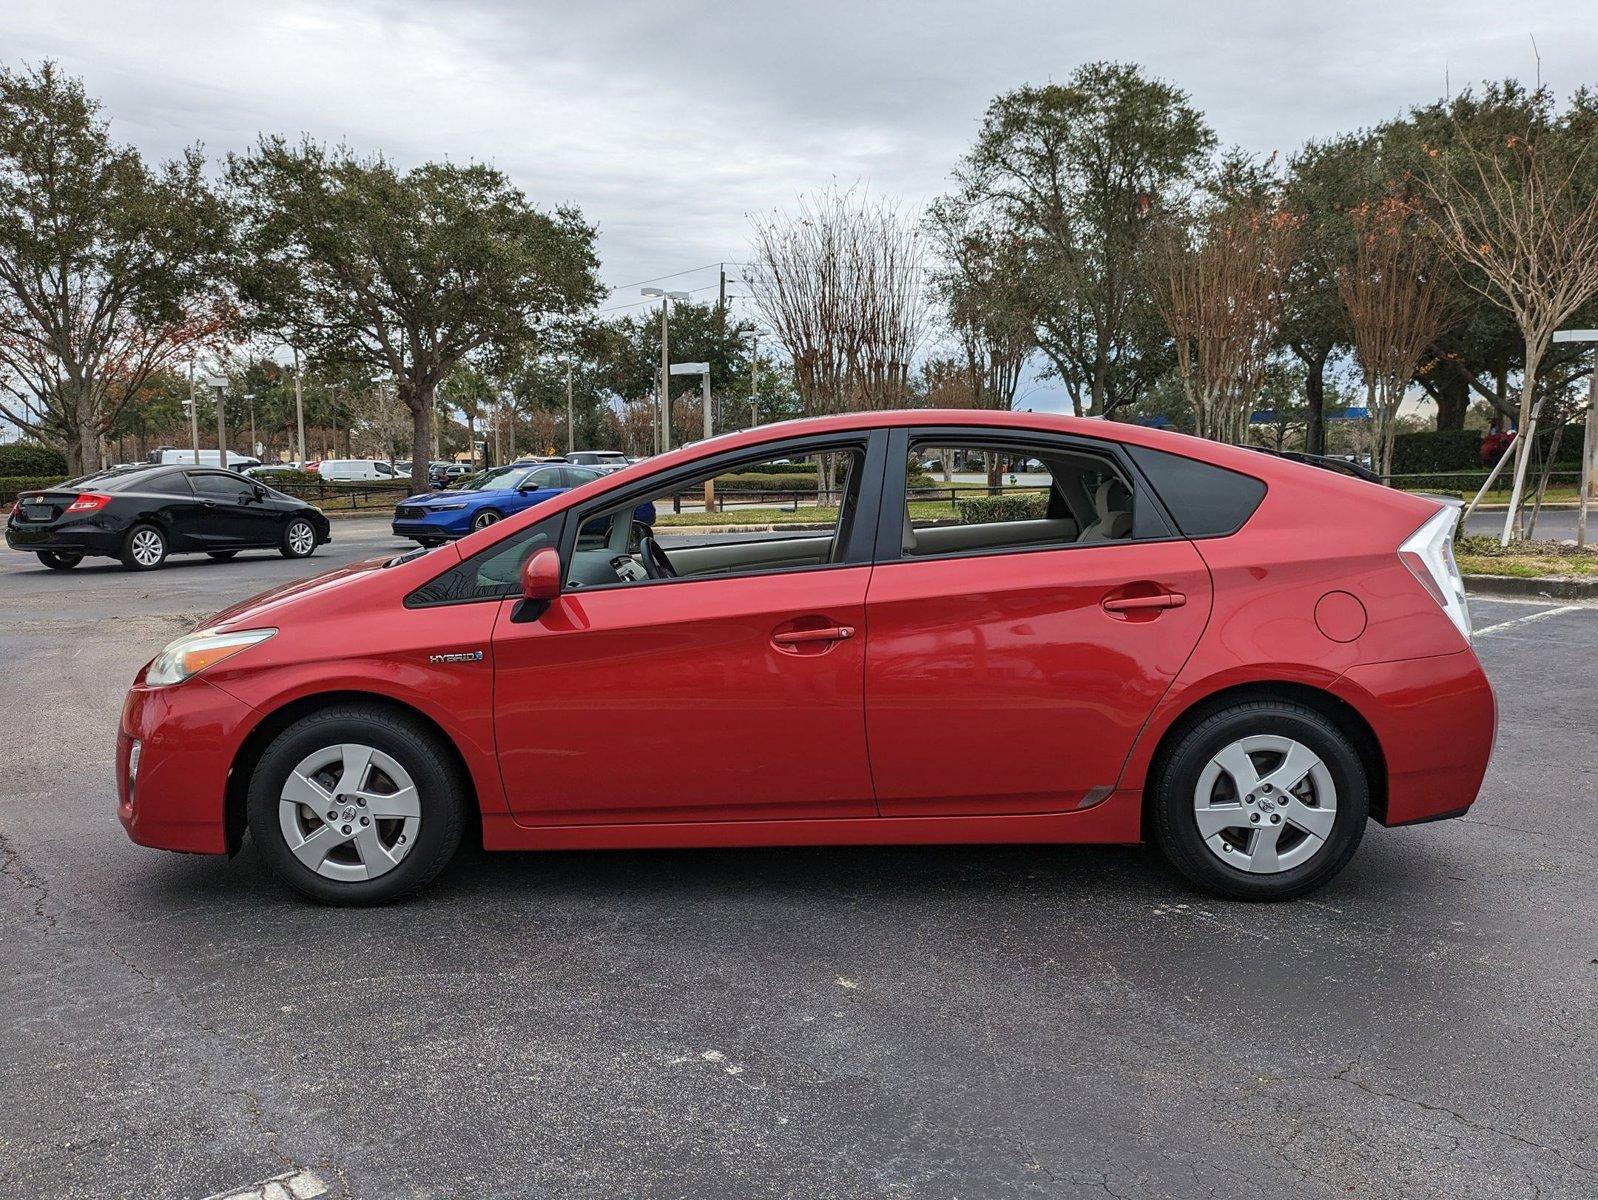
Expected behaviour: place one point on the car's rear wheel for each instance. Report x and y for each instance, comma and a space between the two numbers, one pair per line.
299, 539
1263, 800
221, 555
143, 549
484, 519
58, 560
356, 805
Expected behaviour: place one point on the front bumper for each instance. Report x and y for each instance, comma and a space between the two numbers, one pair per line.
189, 735
1436, 720
445, 526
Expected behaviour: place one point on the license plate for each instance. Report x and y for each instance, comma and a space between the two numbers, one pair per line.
35, 511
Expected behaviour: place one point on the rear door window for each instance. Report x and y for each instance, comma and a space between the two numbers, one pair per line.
1204, 500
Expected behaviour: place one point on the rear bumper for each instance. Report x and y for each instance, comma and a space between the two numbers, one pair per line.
1436, 720
77, 538
188, 736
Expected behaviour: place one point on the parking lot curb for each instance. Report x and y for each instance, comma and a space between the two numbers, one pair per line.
1516, 585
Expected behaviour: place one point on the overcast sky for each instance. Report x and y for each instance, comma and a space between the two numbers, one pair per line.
667, 124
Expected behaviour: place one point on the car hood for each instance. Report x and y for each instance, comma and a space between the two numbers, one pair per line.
258, 610
430, 498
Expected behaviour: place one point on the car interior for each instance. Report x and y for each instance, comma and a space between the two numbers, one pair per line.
620, 546
1068, 497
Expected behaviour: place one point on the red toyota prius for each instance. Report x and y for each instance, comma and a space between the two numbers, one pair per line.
1238, 658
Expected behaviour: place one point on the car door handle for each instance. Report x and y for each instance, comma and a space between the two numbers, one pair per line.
1144, 603
800, 637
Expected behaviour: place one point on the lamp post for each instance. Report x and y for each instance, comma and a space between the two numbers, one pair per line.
1589, 441
663, 416
218, 384
194, 416
752, 339
299, 411
702, 369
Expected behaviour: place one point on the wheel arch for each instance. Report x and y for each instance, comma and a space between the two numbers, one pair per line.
1348, 719
254, 745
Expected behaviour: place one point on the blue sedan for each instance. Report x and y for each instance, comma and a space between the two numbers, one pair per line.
480, 500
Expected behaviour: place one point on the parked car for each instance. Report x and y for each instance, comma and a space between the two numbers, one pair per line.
1182, 649
141, 514
606, 462
172, 456
480, 500
442, 474
356, 470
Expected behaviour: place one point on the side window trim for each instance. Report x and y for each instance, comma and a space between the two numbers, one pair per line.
890, 525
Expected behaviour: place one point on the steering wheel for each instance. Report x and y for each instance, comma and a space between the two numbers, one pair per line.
656, 564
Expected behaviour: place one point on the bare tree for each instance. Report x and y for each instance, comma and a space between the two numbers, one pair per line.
840, 283
1523, 211
1397, 296
1218, 280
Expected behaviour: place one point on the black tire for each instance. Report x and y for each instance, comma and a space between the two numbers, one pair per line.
144, 548
415, 747
484, 519
1174, 825
221, 555
299, 539
58, 560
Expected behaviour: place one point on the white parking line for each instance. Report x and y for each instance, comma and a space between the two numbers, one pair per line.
291, 1185
1528, 619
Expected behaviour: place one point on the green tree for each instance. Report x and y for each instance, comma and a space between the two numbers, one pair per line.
108, 268
1073, 171
405, 274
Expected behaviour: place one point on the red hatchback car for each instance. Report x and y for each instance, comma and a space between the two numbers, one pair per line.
1239, 658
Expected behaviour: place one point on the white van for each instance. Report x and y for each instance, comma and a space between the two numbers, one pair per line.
170, 456
357, 470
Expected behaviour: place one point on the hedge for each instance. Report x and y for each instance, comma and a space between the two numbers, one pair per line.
30, 459
1460, 450
11, 485
1017, 506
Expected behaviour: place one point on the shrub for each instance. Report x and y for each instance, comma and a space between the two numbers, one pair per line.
1460, 450
12, 485
30, 458
763, 481
1017, 506
293, 482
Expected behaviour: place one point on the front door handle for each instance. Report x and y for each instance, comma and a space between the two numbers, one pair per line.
1144, 603
799, 637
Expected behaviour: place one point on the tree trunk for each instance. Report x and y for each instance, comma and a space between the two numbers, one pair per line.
1453, 400
1315, 397
420, 402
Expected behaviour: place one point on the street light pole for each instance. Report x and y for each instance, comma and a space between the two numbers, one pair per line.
1589, 442
663, 422
299, 410
194, 415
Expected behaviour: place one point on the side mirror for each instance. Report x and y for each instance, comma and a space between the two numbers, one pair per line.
260, 491
541, 575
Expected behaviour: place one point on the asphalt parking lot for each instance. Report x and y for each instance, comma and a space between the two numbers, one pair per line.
938, 1022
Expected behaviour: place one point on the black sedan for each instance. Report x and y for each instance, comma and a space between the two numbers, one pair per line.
140, 514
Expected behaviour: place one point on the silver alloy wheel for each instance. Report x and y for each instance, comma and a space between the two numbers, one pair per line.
349, 812
484, 519
1265, 804
302, 540
147, 547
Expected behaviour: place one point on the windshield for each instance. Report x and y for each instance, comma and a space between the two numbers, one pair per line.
491, 480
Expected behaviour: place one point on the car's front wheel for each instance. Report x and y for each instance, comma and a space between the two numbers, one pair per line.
299, 539
484, 519
355, 805
1263, 800
59, 560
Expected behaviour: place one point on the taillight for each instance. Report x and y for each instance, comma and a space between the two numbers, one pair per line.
89, 502
1429, 555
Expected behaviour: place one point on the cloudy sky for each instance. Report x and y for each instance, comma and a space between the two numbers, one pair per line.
669, 123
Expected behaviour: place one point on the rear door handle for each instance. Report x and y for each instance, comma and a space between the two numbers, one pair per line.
799, 637
1144, 603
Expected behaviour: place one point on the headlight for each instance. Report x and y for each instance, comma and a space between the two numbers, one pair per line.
190, 655
445, 507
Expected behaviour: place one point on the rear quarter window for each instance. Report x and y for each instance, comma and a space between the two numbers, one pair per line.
1203, 499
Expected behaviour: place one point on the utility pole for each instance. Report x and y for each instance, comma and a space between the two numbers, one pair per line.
663, 420
721, 295
571, 429
753, 339
194, 415
299, 411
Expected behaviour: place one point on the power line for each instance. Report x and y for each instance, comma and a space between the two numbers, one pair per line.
657, 278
